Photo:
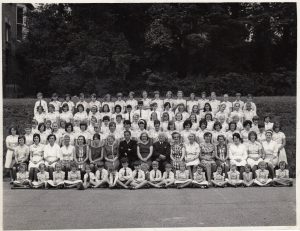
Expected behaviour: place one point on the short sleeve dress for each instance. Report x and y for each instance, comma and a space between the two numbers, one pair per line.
176, 153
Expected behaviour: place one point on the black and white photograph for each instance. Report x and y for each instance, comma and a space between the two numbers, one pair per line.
149, 115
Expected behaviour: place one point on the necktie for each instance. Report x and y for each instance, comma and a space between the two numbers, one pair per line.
137, 174
154, 174
88, 178
40, 103
140, 113
113, 178
125, 173
168, 175
129, 117
100, 175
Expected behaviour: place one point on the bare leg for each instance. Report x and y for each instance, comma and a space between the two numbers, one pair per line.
121, 184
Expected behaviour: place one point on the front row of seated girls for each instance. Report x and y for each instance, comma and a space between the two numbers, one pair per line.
141, 177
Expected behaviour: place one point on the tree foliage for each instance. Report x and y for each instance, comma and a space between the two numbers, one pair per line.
247, 47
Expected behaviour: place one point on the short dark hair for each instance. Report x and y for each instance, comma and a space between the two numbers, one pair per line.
252, 133
187, 122
51, 135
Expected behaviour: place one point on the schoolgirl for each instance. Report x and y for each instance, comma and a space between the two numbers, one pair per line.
159, 102
236, 112
182, 176
202, 130
94, 102
268, 124
282, 177
40, 116
219, 178
52, 115
11, 142
169, 99
179, 100
216, 132
58, 178
146, 101
120, 102
191, 102
202, 101
42, 177
69, 102
279, 137
21, 154
67, 152
200, 178
66, 114
214, 103
262, 175
55, 102
43, 133
74, 177
81, 114
194, 121
22, 179
168, 109
210, 122
109, 102
82, 102
131, 101
249, 113
247, 124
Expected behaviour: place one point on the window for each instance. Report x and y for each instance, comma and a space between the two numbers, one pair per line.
19, 23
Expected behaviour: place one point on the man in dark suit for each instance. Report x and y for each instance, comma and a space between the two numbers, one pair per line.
127, 148
161, 151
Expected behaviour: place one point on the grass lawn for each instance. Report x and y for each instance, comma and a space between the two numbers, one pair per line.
282, 108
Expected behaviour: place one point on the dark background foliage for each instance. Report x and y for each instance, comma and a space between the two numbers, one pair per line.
228, 47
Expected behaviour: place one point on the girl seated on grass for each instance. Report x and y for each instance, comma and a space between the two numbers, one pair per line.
199, 177
182, 176
248, 176
89, 178
262, 175
42, 177
219, 178
74, 177
58, 177
282, 176
233, 176
22, 180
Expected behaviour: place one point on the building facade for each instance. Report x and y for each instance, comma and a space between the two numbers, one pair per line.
13, 33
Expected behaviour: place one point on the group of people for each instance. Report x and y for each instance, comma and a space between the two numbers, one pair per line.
147, 143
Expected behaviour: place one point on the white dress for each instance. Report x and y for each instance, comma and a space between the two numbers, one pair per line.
278, 137
11, 141
238, 152
52, 153
37, 155
182, 177
271, 150
253, 152
66, 116
192, 150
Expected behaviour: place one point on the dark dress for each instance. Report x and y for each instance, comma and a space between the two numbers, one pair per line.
96, 153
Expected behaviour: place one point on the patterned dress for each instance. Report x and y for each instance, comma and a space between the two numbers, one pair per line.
81, 154
207, 150
176, 152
